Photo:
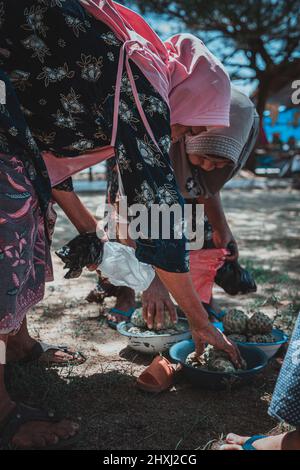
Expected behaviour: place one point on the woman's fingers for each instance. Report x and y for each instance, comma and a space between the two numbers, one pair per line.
232, 257
230, 348
159, 315
145, 311
172, 310
199, 347
234, 354
211, 335
150, 315
233, 251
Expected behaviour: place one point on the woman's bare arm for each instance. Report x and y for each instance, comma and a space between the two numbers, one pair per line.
182, 289
222, 234
77, 213
179, 285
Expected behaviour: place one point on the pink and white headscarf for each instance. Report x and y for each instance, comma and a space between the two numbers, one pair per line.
200, 86
188, 77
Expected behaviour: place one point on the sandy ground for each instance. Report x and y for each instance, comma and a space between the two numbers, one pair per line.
101, 394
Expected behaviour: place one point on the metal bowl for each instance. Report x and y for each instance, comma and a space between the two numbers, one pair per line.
153, 344
270, 349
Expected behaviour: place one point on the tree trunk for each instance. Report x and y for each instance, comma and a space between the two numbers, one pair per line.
262, 97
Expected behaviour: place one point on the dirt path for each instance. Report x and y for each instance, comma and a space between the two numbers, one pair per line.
101, 394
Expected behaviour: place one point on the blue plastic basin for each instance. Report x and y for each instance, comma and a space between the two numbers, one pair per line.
256, 361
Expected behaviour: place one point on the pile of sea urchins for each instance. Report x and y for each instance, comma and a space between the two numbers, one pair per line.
256, 329
213, 360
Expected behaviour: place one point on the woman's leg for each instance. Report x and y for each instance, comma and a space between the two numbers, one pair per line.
285, 404
286, 441
6, 404
20, 346
24, 261
33, 434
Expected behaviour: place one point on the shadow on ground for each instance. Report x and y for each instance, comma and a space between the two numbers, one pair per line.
102, 393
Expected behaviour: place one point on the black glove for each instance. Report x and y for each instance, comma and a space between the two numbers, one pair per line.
84, 250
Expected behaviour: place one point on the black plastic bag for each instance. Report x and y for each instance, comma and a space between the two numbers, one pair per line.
234, 279
84, 250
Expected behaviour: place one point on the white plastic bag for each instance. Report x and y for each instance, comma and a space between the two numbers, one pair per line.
122, 268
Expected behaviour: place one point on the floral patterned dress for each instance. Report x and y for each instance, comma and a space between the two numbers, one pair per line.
63, 64
26, 218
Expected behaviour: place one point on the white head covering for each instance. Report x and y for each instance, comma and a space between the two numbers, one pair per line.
226, 142
234, 143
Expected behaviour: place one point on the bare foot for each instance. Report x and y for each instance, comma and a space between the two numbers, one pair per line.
96, 297
125, 301
56, 356
103, 290
38, 434
41, 434
21, 345
285, 441
17, 350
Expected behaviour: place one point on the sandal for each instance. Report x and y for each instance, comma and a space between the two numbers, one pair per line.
41, 349
249, 444
23, 414
158, 377
127, 316
213, 313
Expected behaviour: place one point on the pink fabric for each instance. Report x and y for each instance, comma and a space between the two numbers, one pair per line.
187, 76
200, 87
60, 169
204, 267
143, 45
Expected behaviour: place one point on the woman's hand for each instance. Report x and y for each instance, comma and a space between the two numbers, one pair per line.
223, 238
222, 235
156, 299
79, 215
178, 131
182, 289
210, 335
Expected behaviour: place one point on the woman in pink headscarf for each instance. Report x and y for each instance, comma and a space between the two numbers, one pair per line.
199, 97
103, 85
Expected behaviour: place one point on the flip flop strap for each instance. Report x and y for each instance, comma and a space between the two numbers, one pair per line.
127, 314
211, 311
41, 348
249, 444
19, 416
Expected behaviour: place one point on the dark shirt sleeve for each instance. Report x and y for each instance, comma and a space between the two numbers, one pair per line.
66, 185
